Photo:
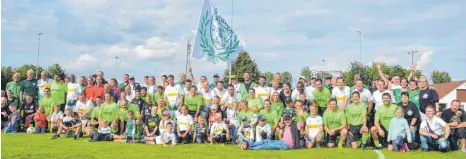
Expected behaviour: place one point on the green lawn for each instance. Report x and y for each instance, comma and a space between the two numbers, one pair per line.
30, 146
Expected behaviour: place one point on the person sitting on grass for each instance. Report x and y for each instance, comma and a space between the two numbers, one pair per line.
263, 129
219, 131
41, 120
69, 125
335, 124
55, 118
289, 138
245, 132
434, 132
184, 123
104, 133
168, 137
399, 131
382, 119
28, 110
165, 120
356, 113
13, 119
201, 132
314, 128
151, 126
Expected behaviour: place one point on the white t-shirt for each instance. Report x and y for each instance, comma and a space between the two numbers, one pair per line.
377, 95
84, 106
295, 94
206, 97
314, 124
151, 89
272, 91
173, 94
436, 125
55, 115
228, 100
232, 116
262, 92
163, 125
218, 128
184, 121
309, 90
236, 86
217, 92
366, 95
73, 89
42, 85
341, 95
263, 129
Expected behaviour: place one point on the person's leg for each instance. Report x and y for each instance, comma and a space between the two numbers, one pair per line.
397, 143
271, 145
443, 145
122, 127
425, 142
375, 136
343, 134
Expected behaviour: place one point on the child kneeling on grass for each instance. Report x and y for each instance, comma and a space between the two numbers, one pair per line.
399, 130
168, 137
219, 131
70, 125
13, 119
41, 120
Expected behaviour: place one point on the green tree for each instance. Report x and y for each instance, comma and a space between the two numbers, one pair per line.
356, 68
306, 73
440, 77
7, 75
268, 77
242, 64
24, 68
397, 70
56, 69
286, 77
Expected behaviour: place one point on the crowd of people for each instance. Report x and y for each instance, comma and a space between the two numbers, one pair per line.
398, 113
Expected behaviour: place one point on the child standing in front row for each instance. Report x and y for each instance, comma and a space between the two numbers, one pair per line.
41, 120
399, 130
245, 132
201, 131
232, 119
129, 131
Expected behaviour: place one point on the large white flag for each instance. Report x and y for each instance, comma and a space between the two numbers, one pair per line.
215, 40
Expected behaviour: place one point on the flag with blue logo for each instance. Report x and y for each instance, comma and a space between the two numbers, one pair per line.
215, 40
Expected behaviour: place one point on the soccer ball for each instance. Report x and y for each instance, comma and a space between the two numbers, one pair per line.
31, 130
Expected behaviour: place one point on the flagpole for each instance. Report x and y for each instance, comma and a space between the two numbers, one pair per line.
231, 25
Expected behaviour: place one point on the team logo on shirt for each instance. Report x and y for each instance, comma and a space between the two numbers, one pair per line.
425, 96
410, 113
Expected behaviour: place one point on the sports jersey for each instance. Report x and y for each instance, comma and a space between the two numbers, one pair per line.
72, 91
218, 128
365, 96
151, 122
262, 92
146, 110
108, 111
322, 97
263, 132
42, 84
228, 100
385, 114
414, 96
56, 115
173, 94
246, 131
314, 124
232, 116
255, 102
219, 93
184, 121
334, 118
47, 103
207, 98
58, 91
278, 107
193, 102
378, 100
29, 88
354, 113
271, 116
84, 107
341, 95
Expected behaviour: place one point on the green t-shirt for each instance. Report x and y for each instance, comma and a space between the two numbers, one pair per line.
29, 87
255, 102
414, 97
14, 87
271, 116
193, 102
58, 91
109, 111
384, 114
156, 97
397, 93
299, 120
278, 107
47, 103
322, 96
248, 114
354, 113
95, 112
334, 119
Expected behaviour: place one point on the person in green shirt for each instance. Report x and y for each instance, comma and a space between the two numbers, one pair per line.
276, 104
94, 124
14, 85
109, 111
244, 111
125, 108
271, 115
321, 96
125, 82
58, 90
157, 95
397, 92
47, 102
302, 115
335, 124
194, 102
413, 92
144, 93
384, 114
255, 104
29, 87
356, 113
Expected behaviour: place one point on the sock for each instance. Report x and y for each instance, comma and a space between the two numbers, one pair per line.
376, 142
340, 144
365, 138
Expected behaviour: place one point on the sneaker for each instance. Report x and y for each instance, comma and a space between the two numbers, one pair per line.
405, 147
55, 136
379, 146
425, 150
363, 147
75, 137
90, 140
463, 150
317, 145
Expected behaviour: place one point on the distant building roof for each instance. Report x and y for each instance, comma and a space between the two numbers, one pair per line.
444, 88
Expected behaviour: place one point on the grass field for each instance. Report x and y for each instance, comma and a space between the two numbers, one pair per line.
30, 146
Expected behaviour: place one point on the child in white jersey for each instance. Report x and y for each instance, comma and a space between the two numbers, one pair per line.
313, 133
232, 119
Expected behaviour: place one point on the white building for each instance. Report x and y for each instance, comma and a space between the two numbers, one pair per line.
451, 91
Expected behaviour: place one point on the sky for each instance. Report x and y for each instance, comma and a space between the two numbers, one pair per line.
150, 36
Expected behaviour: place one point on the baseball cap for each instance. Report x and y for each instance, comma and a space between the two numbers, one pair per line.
287, 117
165, 112
213, 106
244, 118
262, 117
216, 76
301, 77
288, 100
131, 78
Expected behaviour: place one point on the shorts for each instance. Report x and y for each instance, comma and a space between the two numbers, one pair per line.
460, 133
68, 123
310, 140
331, 139
356, 132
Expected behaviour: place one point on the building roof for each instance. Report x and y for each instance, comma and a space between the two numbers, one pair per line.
444, 88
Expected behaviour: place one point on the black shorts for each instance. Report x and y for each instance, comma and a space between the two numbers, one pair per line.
68, 124
460, 133
331, 139
356, 132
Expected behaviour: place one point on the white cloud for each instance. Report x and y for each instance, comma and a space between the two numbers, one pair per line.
424, 60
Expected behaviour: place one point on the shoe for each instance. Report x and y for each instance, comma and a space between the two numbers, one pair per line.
463, 150
405, 147
55, 136
363, 147
425, 150
340, 146
90, 140
75, 137
379, 146
317, 145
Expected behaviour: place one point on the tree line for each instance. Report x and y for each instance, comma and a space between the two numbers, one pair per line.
8, 71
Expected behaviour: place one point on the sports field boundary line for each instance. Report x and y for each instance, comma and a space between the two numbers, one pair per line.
380, 154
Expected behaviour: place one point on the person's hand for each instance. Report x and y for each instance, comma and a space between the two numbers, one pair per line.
378, 65
413, 67
435, 136
454, 124
381, 133
179, 135
439, 114
441, 139
364, 129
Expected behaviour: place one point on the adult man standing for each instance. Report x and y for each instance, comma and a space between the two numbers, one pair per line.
151, 88
89, 91
99, 87
246, 85
383, 116
72, 93
321, 95
216, 80
455, 117
239, 89
219, 90
124, 83
276, 78
413, 91
29, 87
378, 94
173, 95
182, 80
135, 87
427, 96
206, 94
58, 90
366, 95
230, 97
262, 91
434, 131
341, 93
42, 83
14, 85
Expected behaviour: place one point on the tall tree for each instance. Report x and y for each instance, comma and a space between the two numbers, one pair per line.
286, 77
56, 69
397, 70
22, 70
7, 76
268, 77
440, 77
355, 68
243, 63
306, 72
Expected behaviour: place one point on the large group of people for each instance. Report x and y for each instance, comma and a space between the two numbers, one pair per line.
396, 113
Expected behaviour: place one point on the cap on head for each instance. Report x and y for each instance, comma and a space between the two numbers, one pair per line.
216, 76
288, 100
262, 118
213, 107
165, 112
131, 78
244, 118
233, 76
287, 117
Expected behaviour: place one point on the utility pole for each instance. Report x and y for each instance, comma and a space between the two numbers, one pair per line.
412, 56
188, 56
116, 63
323, 69
360, 47
38, 55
